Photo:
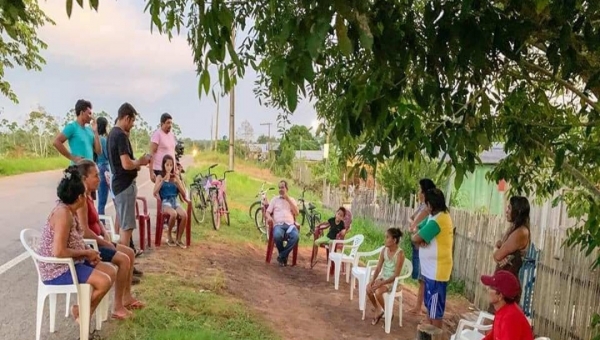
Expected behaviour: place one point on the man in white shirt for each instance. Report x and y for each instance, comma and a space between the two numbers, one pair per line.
282, 212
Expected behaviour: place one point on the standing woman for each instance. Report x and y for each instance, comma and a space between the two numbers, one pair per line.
511, 250
102, 163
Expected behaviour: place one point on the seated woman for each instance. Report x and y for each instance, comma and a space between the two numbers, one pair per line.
168, 187
117, 254
388, 268
335, 225
62, 236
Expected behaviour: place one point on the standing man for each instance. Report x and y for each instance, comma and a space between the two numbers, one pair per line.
434, 239
162, 143
124, 168
282, 212
83, 140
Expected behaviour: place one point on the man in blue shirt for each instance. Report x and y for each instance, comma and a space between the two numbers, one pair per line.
83, 140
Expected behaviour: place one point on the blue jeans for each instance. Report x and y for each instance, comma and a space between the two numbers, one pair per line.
102, 189
279, 234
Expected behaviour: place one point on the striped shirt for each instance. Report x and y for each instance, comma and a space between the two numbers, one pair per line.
436, 257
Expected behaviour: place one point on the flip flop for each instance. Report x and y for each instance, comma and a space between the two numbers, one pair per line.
171, 243
136, 304
377, 319
120, 317
180, 244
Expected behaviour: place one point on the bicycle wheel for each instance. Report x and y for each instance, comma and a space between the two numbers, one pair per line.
198, 204
226, 209
251, 211
259, 220
314, 257
303, 214
313, 221
215, 210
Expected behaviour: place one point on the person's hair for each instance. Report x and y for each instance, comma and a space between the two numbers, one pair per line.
510, 300
285, 183
84, 166
426, 184
126, 110
164, 117
102, 123
519, 211
395, 233
71, 186
436, 200
343, 210
82, 105
164, 162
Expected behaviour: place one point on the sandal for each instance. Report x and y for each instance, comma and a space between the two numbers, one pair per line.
377, 319
171, 243
136, 304
120, 317
138, 252
180, 244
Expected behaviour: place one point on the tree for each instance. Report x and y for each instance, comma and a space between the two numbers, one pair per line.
264, 139
245, 132
19, 43
300, 138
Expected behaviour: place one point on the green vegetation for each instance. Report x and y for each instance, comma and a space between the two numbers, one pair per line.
15, 166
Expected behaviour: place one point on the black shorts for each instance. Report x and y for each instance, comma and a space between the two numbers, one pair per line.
157, 172
107, 254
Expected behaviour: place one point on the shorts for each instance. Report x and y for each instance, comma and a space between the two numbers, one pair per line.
435, 298
416, 272
170, 202
107, 254
125, 207
322, 240
157, 172
83, 270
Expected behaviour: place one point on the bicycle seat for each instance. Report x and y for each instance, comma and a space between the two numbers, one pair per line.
311, 206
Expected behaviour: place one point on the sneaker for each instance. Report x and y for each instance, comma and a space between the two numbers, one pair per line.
137, 272
135, 280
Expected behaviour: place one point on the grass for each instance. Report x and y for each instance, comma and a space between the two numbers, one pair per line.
15, 166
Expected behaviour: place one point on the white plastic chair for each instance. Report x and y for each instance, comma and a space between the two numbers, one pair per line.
360, 274
390, 298
103, 306
109, 226
342, 258
478, 328
29, 239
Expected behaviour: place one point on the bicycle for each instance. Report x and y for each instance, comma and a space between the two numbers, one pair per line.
218, 200
313, 216
260, 207
198, 196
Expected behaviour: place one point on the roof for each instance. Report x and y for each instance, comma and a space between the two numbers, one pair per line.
493, 155
309, 155
262, 147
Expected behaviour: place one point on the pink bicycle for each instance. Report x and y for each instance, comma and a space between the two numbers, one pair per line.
217, 199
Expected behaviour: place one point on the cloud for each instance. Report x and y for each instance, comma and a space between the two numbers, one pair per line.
116, 48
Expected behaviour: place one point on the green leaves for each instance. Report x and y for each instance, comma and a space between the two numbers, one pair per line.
341, 32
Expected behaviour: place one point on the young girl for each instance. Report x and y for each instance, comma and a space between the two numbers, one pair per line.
168, 186
335, 225
388, 268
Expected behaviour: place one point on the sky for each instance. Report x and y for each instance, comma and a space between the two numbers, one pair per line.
110, 57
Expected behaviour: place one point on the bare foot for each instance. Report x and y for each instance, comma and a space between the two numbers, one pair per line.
121, 314
75, 312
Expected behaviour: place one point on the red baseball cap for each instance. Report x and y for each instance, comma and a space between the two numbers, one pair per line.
505, 282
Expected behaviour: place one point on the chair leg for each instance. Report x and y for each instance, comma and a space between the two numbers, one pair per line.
142, 228
269, 251
348, 269
41, 301
84, 300
352, 287
295, 255
389, 311
400, 308
149, 232
338, 268
328, 268
52, 311
67, 304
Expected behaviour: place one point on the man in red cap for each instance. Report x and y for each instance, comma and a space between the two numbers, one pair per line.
510, 323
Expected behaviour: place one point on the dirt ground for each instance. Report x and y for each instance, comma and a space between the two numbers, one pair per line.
298, 302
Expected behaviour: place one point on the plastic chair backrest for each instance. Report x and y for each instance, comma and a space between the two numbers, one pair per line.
357, 240
406, 270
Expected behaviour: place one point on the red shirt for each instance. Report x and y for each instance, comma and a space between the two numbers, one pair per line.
510, 324
93, 219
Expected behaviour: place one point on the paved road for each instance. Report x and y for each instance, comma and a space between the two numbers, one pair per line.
26, 202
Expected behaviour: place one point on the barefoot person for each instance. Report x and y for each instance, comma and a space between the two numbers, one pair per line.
388, 268
415, 220
282, 212
168, 187
510, 322
117, 254
62, 237
434, 239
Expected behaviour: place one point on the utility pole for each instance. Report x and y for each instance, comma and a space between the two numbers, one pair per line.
217, 125
269, 138
232, 112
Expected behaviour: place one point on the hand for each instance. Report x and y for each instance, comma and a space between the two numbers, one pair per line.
93, 257
498, 244
152, 176
76, 159
144, 160
94, 125
167, 177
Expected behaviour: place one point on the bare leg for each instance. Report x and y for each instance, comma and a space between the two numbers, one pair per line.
377, 306
125, 237
127, 298
420, 296
182, 223
101, 281
172, 220
122, 283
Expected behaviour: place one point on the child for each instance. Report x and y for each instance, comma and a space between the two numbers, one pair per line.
388, 268
335, 224
168, 186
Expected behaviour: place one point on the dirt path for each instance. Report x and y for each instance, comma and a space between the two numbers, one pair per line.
297, 302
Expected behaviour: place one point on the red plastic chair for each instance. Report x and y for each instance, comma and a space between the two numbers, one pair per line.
340, 236
144, 224
271, 245
162, 219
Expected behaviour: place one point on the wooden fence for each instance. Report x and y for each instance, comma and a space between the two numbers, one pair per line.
566, 293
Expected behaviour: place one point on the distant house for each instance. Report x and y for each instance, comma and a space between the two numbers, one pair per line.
257, 150
309, 155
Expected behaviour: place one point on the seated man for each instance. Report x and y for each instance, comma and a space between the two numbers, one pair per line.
510, 322
282, 212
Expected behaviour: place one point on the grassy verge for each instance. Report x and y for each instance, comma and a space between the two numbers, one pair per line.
15, 166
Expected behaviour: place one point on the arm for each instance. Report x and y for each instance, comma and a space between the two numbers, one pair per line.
97, 145
490, 335
416, 220
516, 240
157, 185
397, 270
270, 209
61, 222
180, 186
59, 142
126, 161
82, 214
293, 205
379, 265
426, 234
154, 141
